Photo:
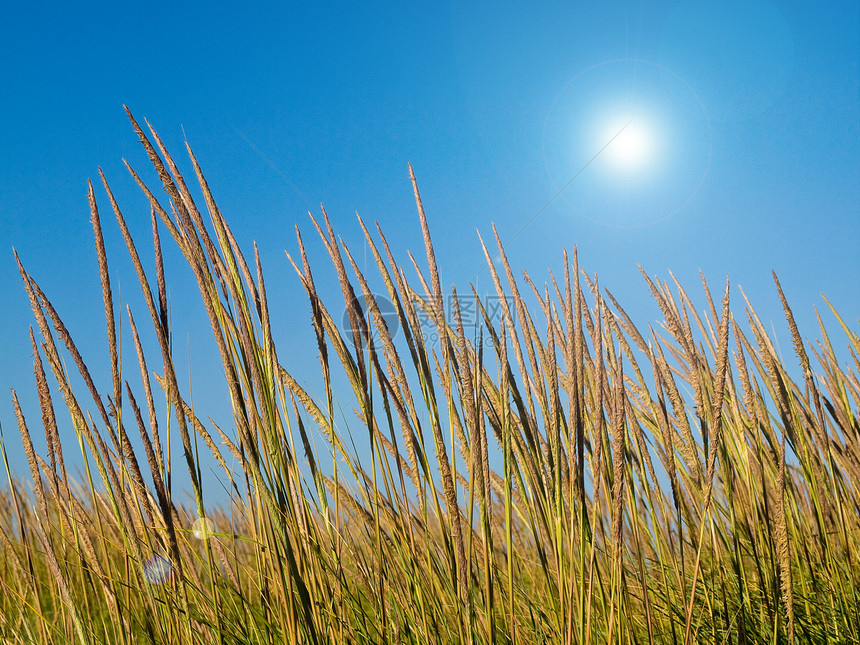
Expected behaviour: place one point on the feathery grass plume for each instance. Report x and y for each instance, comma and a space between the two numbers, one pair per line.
448, 477
107, 298
619, 470
31, 454
49, 419
714, 443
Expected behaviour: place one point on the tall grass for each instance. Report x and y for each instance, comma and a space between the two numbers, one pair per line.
559, 476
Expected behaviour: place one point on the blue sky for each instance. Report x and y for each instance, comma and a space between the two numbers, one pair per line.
747, 115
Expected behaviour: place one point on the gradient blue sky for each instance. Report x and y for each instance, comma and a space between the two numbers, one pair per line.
752, 110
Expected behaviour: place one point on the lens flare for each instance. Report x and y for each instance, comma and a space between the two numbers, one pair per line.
202, 528
157, 570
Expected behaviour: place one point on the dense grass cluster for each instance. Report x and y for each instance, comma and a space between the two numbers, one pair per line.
557, 477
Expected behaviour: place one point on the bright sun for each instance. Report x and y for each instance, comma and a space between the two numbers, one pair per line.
631, 147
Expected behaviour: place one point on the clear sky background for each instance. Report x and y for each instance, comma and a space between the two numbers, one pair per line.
741, 154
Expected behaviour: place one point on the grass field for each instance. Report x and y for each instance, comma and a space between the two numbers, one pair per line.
563, 478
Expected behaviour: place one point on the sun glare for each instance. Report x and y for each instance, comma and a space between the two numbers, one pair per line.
639, 136
632, 145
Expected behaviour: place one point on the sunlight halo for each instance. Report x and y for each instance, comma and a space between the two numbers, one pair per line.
632, 147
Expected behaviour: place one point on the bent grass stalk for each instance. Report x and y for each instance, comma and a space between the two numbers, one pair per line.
524, 484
